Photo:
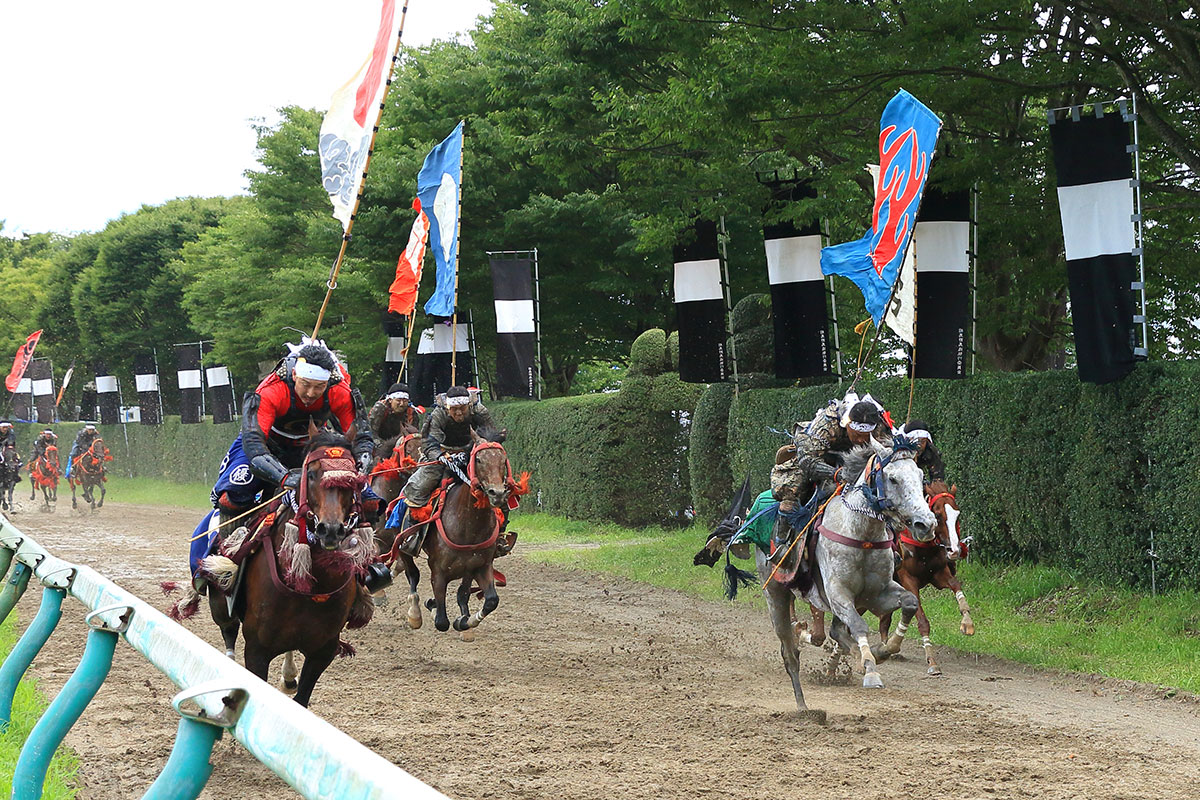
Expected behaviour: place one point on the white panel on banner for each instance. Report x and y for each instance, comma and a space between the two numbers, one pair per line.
106, 384
943, 246
425, 346
514, 316
395, 349
24, 386
443, 336
1097, 218
43, 386
146, 383
217, 376
794, 259
189, 379
698, 280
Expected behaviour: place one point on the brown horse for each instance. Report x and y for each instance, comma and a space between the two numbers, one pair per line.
933, 563
388, 477
300, 580
87, 472
467, 528
43, 474
9, 475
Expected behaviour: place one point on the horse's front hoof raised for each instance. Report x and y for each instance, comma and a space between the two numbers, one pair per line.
967, 627
289, 687
462, 623
872, 680
934, 670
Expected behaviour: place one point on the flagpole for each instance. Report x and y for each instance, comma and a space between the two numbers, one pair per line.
331, 283
457, 248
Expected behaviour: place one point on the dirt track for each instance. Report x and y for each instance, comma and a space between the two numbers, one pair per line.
583, 686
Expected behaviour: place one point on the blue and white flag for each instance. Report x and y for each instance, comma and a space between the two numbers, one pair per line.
908, 134
439, 187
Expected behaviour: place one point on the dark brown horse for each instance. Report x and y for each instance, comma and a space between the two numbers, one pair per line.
300, 579
388, 477
87, 472
43, 474
933, 563
10, 473
462, 544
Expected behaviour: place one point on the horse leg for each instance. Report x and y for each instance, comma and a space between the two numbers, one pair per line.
487, 582
843, 646
440, 620
845, 609
413, 573
779, 604
314, 664
229, 625
948, 580
103, 492
895, 596
464, 607
288, 686
256, 658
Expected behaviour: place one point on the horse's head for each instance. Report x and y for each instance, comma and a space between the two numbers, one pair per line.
330, 489
490, 473
943, 502
403, 453
898, 487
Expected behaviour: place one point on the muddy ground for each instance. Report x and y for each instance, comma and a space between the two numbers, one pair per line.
584, 686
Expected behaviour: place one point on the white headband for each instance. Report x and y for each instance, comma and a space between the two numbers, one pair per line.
451, 402
861, 427
919, 434
312, 372
398, 396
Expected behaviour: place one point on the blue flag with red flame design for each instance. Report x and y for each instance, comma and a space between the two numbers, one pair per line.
908, 133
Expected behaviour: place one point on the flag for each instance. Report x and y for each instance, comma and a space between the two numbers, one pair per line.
346, 131
433, 363
908, 133
191, 383
42, 383
439, 188
700, 306
408, 268
943, 244
901, 311
66, 382
145, 377
21, 361
516, 327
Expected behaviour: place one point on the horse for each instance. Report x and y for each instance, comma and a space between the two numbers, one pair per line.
43, 473
388, 476
925, 563
87, 472
852, 563
467, 524
300, 573
9, 475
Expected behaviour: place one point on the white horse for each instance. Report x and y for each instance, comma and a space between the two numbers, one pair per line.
853, 563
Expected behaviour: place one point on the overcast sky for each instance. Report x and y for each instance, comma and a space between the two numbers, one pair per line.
106, 105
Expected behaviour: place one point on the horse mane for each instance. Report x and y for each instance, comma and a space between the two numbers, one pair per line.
855, 461
387, 446
328, 438
492, 435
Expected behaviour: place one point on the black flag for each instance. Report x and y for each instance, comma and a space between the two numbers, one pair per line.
516, 331
145, 375
43, 390
1095, 201
395, 329
191, 390
942, 239
700, 307
797, 292
429, 375
108, 394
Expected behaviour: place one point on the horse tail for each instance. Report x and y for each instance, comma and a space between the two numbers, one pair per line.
220, 570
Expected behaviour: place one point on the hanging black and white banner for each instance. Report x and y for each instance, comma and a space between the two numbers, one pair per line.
700, 307
1095, 201
108, 395
797, 291
516, 327
395, 329
87, 401
430, 374
145, 376
191, 387
942, 243
22, 400
41, 377
220, 394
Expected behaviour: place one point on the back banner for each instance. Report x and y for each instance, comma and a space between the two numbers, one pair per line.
516, 327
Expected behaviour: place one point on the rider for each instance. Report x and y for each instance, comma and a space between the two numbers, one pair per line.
83, 440
929, 458
450, 428
44, 440
8, 438
394, 414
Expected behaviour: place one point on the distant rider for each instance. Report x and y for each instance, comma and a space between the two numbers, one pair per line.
44, 440
83, 441
929, 458
394, 414
8, 438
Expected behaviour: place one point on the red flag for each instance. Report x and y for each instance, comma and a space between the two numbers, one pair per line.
408, 268
21, 361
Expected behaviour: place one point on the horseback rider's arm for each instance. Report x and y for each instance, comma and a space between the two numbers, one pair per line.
434, 435
257, 418
377, 415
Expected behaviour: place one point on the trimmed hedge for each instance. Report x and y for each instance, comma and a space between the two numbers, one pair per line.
1048, 469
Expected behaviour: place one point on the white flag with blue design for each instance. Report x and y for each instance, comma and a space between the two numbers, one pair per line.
439, 187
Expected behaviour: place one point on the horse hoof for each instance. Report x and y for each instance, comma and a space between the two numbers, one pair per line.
415, 622
934, 670
442, 626
813, 715
431, 604
894, 644
462, 623
967, 628
289, 687
468, 635
872, 681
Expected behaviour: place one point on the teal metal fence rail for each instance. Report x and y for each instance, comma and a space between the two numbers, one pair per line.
216, 695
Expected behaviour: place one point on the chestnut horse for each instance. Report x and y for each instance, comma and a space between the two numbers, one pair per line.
300, 582
467, 527
388, 477
933, 563
43, 473
87, 472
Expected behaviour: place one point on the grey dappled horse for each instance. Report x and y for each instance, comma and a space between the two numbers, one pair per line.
851, 578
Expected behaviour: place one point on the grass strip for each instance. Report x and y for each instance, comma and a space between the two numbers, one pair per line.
149, 492
1041, 616
28, 706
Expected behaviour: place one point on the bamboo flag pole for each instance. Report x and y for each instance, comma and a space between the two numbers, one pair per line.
331, 283
457, 248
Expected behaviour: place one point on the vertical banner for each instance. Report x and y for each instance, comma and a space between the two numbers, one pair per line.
1095, 201
191, 388
41, 376
87, 402
21, 361
798, 308
145, 376
429, 374
943, 244
220, 394
700, 307
395, 329
108, 395
516, 330
439, 187
22, 400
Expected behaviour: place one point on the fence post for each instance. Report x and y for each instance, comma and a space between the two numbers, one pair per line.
27, 648
13, 589
6, 557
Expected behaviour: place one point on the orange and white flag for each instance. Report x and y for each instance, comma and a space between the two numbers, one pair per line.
408, 268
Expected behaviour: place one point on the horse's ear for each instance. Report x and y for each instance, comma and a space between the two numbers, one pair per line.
352, 432
954, 490
313, 430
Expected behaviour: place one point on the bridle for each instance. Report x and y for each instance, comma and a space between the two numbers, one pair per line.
510, 486
338, 466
